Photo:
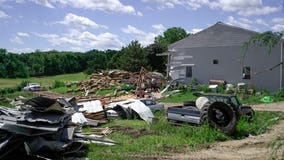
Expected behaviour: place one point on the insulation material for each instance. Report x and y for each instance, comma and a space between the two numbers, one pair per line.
91, 106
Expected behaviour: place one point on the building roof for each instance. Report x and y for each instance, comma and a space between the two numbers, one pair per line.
219, 34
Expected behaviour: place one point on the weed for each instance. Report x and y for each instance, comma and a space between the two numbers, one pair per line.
163, 138
276, 148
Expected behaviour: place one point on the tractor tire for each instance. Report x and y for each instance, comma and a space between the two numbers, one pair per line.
220, 115
204, 113
189, 103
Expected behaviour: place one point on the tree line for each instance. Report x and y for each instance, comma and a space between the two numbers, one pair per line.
129, 58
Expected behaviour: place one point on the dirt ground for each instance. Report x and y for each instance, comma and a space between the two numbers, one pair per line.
251, 148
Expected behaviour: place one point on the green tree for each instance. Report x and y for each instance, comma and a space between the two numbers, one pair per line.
156, 62
133, 57
170, 36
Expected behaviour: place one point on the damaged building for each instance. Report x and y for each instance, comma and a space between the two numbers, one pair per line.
215, 53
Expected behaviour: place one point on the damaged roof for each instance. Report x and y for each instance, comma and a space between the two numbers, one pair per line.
219, 34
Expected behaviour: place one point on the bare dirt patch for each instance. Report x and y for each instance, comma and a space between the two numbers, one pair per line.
134, 133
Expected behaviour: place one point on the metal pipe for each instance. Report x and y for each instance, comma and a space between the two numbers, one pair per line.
168, 64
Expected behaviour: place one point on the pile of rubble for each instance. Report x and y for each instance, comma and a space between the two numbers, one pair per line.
142, 80
103, 80
45, 128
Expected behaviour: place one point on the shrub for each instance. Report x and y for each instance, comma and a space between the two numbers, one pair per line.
58, 84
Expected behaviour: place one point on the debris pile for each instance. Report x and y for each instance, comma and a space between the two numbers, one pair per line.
44, 129
143, 80
104, 80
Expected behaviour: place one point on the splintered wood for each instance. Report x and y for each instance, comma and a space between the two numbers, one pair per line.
112, 79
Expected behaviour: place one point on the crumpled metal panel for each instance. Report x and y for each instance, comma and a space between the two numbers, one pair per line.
44, 131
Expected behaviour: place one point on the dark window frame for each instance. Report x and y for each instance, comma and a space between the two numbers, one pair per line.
215, 61
188, 72
246, 72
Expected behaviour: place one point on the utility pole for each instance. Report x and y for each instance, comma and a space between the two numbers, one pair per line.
281, 65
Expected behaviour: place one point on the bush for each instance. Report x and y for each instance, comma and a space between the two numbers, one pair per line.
280, 94
58, 84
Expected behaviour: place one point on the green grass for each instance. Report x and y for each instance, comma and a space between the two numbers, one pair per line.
4, 102
64, 89
105, 91
179, 97
160, 138
46, 81
188, 95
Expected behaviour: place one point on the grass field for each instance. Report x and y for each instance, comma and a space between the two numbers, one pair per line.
139, 140
45, 81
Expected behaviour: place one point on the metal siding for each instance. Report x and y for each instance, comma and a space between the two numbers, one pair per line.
229, 67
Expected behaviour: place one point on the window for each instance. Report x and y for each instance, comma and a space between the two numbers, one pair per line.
215, 61
246, 72
188, 72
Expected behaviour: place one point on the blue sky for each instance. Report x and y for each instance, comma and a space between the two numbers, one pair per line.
82, 25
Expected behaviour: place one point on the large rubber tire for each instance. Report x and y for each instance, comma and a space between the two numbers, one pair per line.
204, 113
189, 103
220, 115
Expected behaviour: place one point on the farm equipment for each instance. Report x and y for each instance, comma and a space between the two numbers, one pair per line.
222, 111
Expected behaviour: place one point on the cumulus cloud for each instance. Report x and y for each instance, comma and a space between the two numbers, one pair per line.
241, 22
261, 22
145, 38
132, 30
278, 20
159, 27
88, 40
190, 4
21, 50
195, 30
242, 7
45, 3
278, 28
139, 14
247, 8
278, 24
16, 39
22, 34
3, 15
111, 6
80, 21
19, 37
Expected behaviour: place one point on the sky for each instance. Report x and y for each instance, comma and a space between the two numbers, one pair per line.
83, 25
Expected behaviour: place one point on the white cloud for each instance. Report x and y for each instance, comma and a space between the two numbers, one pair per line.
241, 22
246, 8
261, 22
145, 38
278, 20
44, 3
110, 6
278, 28
21, 50
132, 30
195, 30
190, 4
242, 7
79, 21
139, 14
159, 27
85, 40
16, 39
3, 15
22, 34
